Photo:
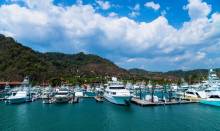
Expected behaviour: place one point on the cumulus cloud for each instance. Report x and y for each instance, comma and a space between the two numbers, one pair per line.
152, 5
198, 9
135, 11
105, 5
113, 14
163, 13
48, 27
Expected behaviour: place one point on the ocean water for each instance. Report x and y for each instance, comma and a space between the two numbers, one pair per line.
91, 116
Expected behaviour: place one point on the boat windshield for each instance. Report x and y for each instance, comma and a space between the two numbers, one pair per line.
192, 93
116, 88
63, 93
214, 96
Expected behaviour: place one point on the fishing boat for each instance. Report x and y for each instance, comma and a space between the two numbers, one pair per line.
62, 95
174, 87
18, 97
78, 92
213, 79
192, 94
213, 100
213, 97
22, 95
47, 95
116, 93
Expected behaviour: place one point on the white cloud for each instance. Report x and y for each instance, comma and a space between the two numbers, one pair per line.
48, 27
135, 11
137, 7
134, 14
163, 13
105, 5
152, 5
197, 9
79, 2
200, 55
113, 14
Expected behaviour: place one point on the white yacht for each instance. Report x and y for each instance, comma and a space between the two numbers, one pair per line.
78, 92
184, 85
213, 101
18, 97
213, 79
212, 91
213, 97
116, 93
62, 95
129, 86
193, 94
174, 87
22, 95
149, 85
47, 93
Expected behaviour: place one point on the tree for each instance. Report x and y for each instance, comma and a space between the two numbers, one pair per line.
56, 82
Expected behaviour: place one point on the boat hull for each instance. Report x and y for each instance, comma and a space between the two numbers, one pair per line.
215, 102
16, 100
61, 100
119, 100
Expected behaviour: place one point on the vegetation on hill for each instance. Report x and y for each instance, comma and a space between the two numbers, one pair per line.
18, 61
177, 76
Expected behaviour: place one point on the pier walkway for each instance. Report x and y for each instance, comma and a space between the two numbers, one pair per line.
160, 103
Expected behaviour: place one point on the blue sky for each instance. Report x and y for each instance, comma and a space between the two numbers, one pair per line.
156, 35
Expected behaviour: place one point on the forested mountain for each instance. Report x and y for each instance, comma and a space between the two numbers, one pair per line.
18, 61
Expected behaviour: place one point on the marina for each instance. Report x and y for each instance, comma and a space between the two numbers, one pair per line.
108, 65
144, 106
118, 93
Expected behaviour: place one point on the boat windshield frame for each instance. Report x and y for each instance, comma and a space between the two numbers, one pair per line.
117, 87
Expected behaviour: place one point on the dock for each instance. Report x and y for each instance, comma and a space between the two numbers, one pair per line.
87, 97
74, 100
160, 103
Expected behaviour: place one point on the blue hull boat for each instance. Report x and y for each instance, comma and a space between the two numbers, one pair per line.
211, 101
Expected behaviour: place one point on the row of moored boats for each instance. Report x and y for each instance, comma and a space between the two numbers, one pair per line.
207, 92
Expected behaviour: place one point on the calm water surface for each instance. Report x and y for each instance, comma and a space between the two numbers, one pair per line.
91, 116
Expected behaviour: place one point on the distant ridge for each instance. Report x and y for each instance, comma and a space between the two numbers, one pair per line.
191, 76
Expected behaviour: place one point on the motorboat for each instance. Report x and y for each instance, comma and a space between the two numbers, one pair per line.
116, 92
78, 92
62, 95
213, 100
193, 94
22, 95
